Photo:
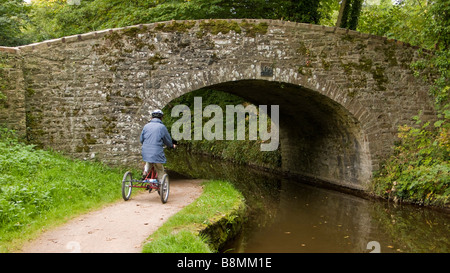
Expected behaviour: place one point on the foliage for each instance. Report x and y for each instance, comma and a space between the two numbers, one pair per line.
329, 11
440, 24
13, 17
38, 188
350, 14
302, 11
239, 151
55, 18
419, 169
418, 22
180, 234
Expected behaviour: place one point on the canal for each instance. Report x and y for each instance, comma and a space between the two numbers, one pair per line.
293, 215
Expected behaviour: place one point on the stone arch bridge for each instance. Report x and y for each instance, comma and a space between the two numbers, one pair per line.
341, 94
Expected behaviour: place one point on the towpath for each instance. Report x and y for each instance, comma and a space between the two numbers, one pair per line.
121, 227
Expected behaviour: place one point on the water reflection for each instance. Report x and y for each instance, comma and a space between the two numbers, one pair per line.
289, 216
311, 219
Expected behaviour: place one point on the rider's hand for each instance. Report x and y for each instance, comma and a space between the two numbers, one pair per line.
174, 146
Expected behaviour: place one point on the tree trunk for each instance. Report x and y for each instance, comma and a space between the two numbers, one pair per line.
354, 15
341, 11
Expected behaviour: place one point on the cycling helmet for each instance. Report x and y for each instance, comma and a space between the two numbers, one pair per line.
157, 113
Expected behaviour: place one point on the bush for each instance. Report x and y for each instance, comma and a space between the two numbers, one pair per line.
419, 170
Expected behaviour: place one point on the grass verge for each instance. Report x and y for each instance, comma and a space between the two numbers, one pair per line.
40, 189
182, 233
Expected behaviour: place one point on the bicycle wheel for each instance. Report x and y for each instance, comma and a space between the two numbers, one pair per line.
164, 189
127, 185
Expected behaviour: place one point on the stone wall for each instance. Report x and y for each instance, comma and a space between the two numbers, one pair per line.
342, 94
12, 91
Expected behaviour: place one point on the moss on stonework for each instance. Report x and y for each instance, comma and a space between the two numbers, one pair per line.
109, 125
380, 78
366, 65
115, 40
30, 91
223, 26
305, 71
119, 44
89, 140
174, 26
155, 59
389, 54
253, 29
34, 127
302, 49
325, 64
348, 38
216, 26
134, 31
4, 85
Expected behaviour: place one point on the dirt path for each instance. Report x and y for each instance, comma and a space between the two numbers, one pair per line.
120, 227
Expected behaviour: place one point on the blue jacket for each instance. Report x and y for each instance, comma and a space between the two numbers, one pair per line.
153, 136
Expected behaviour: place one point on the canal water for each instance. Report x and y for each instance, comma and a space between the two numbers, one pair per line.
292, 215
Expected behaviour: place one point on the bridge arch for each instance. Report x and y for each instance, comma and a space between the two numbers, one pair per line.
342, 94
319, 137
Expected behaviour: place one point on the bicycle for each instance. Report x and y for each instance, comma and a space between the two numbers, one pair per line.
149, 183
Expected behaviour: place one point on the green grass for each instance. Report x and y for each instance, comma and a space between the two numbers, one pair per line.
180, 234
40, 189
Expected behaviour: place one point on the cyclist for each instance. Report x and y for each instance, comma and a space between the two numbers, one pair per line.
154, 135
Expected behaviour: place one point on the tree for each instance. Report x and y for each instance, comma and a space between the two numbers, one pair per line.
55, 18
439, 29
354, 14
306, 11
13, 17
418, 171
349, 14
418, 22
344, 6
